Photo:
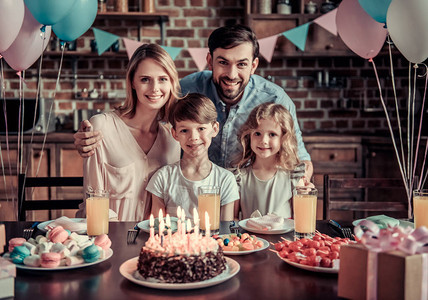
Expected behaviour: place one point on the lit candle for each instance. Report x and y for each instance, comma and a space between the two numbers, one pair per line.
196, 221
152, 224
207, 225
161, 227
189, 228
168, 225
183, 216
179, 220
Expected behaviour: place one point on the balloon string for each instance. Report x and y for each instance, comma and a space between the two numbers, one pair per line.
408, 120
3, 92
420, 131
393, 138
396, 101
412, 133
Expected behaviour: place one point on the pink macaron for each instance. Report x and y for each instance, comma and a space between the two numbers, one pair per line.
103, 241
50, 260
16, 242
58, 235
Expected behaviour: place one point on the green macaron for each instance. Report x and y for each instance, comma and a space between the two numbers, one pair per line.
19, 253
91, 253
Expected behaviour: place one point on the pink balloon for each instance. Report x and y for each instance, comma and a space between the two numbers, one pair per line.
11, 18
28, 45
358, 30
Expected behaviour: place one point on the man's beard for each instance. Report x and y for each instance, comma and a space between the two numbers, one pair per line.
229, 94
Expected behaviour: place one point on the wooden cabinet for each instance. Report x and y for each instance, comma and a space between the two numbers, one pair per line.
338, 156
320, 42
58, 158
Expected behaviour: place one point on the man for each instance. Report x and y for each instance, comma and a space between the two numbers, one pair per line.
231, 84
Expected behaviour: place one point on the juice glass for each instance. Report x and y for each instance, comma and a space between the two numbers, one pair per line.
97, 208
420, 208
209, 201
305, 212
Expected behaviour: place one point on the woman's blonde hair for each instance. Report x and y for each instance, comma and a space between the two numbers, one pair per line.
287, 156
158, 54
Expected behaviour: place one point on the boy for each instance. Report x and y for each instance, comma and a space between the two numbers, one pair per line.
194, 125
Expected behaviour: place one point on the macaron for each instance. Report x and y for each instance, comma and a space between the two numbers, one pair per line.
58, 235
103, 241
18, 254
50, 259
32, 261
61, 249
16, 242
91, 253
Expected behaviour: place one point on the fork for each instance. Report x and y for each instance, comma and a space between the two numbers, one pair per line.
28, 232
346, 232
234, 227
132, 234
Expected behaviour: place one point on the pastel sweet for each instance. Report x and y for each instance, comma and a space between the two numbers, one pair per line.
61, 249
32, 241
74, 260
30, 247
41, 239
91, 253
16, 242
69, 243
58, 235
103, 241
18, 254
43, 247
32, 261
50, 260
74, 249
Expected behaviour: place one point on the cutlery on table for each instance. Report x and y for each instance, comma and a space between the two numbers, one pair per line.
234, 227
132, 234
345, 232
28, 232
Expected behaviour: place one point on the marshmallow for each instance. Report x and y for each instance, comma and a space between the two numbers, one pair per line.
74, 260
41, 239
32, 261
30, 247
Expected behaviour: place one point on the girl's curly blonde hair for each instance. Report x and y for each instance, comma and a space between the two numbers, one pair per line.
287, 156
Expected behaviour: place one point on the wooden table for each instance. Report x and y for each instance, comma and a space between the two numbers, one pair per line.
262, 275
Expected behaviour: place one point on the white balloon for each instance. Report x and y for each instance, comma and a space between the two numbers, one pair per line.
407, 24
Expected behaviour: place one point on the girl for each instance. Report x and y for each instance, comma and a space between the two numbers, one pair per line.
268, 168
136, 142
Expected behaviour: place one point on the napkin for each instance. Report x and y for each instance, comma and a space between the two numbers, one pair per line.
267, 222
382, 221
67, 223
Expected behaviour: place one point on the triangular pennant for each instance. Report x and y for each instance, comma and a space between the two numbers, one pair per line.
172, 51
298, 35
199, 56
104, 39
267, 46
131, 46
328, 21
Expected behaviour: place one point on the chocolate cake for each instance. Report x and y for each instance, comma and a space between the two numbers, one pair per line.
181, 258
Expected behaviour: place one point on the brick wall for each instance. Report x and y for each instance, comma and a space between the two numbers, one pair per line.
350, 104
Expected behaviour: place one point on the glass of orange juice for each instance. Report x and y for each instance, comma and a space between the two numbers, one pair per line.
97, 211
209, 201
420, 208
305, 212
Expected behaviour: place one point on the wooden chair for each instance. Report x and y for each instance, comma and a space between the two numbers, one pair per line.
345, 186
46, 204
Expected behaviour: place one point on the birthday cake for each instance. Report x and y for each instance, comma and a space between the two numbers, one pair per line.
180, 258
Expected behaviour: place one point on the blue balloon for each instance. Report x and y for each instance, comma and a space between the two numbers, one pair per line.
78, 21
377, 9
49, 12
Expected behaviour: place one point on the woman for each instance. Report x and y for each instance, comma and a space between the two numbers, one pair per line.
136, 141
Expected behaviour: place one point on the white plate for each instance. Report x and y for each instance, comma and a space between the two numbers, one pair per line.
310, 268
145, 225
402, 223
287, 226
41, 226
129, 267
109, 254
265, 245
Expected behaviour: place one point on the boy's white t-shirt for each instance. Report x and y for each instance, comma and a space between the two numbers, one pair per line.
169, 184
267, 196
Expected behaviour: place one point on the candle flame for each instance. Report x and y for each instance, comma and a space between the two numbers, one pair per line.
178, 212
183, 215
189, 225
195, 216
168, 221
160, 214
152, 221
207, 221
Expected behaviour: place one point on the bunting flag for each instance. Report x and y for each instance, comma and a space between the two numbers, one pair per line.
104, 39
267, 46
328, 21
199, 56
298, 35
172, 51
131, 46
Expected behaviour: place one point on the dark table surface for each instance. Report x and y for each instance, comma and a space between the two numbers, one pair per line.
262, 275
